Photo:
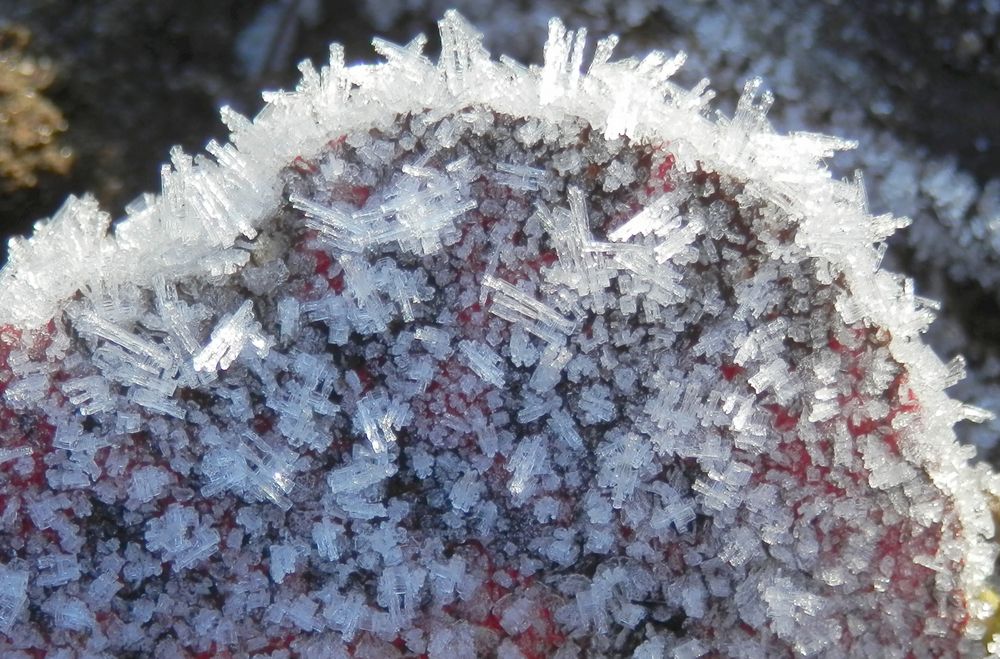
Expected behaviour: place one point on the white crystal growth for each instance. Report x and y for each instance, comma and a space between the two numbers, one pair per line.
470, 358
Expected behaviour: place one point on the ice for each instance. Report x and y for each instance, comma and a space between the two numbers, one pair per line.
266, 470
325, 534
407, 57
617, 175
563, 61
385, 540
436, 340
772, 375
621, 462
562, 425
13, 595
517, 616
488, 441
421, 372
24, 393
522, 352
104, 587
301, 612
689, 650
289, 314
156, 402
90, 324
398, 590
417, 215
57, 570
722, 490
345, 614
359, 475
230, 337
519, 177
223, 468
282, 563
377, 417
526, 462
740, 547
177, 317
654, 648
513, 304
8, 454
884, 472
466, 492
594, 603
535, 408
148, 483
595, 404
546, 509
117, 365
484, 361
549, 368
583, 264
180, 536
463, 55
303, 399
826, 405
564, 550
598, 508
795, 612
336, 225
90, 394
71, 614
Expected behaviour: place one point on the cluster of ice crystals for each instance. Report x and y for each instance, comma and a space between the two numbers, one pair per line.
815, 55
468, 358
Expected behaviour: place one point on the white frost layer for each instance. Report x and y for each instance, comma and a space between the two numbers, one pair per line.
194, 229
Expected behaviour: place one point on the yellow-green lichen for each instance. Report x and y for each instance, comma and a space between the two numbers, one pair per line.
29, 122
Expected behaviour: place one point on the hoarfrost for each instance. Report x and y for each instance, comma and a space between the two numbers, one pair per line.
475, 357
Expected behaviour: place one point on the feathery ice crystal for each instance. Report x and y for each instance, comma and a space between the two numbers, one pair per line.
461, 358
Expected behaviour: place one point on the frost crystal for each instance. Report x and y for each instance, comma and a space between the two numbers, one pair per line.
13, 593
470, 359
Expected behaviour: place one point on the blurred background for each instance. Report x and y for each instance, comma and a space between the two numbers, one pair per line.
93, 93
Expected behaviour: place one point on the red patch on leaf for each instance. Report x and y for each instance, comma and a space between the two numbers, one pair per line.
730, 371
302, 166
323, 262
359, 195
366, 378
783, 421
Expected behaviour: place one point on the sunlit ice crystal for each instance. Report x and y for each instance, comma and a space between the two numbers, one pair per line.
468, 358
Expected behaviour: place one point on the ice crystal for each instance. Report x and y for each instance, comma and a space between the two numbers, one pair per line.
467, 357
